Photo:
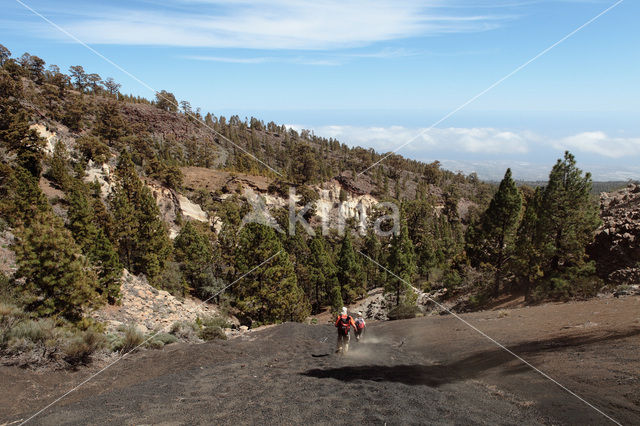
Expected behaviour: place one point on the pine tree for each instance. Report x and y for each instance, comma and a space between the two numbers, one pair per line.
109, 123
57, 279
143, 241
402, 262
15, 132
153, 245
492, 239
93, 242
270, 293
322, 272
336, 300
20, 196
422, 224
527, 264
195, 254
59, 171
568, 214
74, 110
350, 277
373, 248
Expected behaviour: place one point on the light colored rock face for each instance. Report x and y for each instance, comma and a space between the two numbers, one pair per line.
102, 173
192, 210
332, 212
51, 137
329, 209
150, 308
169, 206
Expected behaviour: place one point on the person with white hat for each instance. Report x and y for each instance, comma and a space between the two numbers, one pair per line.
343, 324
359, 327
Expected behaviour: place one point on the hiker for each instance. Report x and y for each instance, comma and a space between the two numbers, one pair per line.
359, 327
344, 323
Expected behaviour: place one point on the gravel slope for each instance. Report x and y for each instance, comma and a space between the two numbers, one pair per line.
426, 370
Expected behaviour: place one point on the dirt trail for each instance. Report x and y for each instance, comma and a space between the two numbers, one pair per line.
425, 370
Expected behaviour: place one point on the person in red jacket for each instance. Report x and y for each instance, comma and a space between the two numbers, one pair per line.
343, 323
358, 329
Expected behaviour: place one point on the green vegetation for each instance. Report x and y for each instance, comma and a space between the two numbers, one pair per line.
71, 248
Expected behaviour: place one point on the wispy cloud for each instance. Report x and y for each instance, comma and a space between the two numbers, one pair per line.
229, 59
277, 24
489, 151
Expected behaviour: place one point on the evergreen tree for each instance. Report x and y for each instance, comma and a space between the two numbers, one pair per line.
93, 242
195, 254
123, 208
350, 277
322, 272
402, 263
373, 248
568, 215
57, 279
166, 101
422, 224
143, 241
74, 110
20, 196
109, 123
59, 171
15, 132
270, 293
527, 264
492, 239
336, 300
153, 245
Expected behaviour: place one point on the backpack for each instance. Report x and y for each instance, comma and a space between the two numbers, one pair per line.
344, 325
360, 323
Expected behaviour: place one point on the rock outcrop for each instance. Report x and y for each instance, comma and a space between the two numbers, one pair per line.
616, 248
149, 308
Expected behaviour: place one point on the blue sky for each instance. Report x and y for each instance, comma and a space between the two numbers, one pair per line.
378, 72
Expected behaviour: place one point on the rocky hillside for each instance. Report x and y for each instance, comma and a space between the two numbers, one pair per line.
150, 309
616, 248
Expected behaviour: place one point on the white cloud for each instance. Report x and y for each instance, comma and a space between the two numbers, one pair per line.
601, 144
485, 140
277, 24
490, 151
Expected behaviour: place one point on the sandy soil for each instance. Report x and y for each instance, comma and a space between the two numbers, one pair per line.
213, 180
425, 370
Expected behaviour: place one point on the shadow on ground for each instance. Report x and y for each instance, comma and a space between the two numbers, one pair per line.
465, 368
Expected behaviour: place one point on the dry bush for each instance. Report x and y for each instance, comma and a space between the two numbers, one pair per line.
80, 348
160, 340
185, 330
131, 339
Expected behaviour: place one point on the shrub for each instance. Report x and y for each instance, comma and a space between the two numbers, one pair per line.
38, 341
215, 321
131, 340
159, 340
171, 279
92, 148
10, 316
213, 328
185, 330
212, 333
81, 347
403, 312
